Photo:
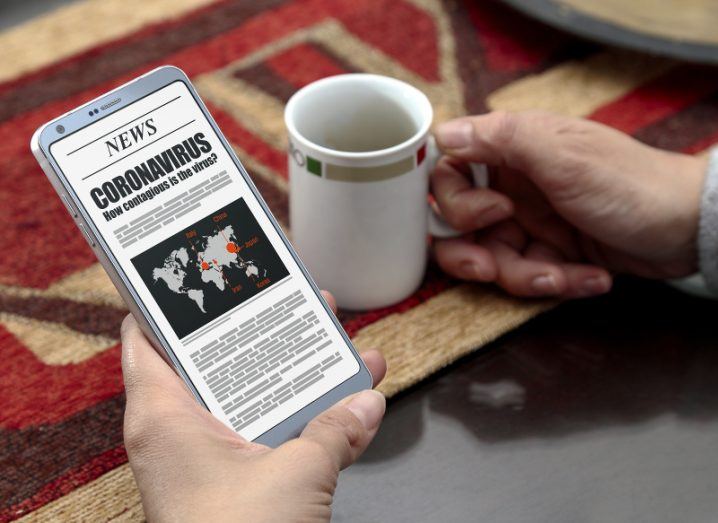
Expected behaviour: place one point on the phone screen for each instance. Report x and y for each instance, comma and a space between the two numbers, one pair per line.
205, 259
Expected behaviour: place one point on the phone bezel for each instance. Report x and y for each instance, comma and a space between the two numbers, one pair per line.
129, 93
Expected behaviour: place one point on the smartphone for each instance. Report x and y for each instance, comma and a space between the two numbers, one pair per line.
193, 249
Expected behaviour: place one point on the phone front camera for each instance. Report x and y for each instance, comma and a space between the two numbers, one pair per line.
60, 129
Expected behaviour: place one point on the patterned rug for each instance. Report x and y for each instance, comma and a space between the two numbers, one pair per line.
61, 396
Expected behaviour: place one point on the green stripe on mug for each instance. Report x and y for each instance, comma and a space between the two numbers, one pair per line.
314, 166
344, 173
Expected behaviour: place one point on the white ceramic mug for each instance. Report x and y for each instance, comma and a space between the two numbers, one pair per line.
360, 155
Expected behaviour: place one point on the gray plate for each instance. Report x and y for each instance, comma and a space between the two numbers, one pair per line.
583, 25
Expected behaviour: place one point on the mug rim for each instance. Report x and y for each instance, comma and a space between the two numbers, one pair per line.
354, 77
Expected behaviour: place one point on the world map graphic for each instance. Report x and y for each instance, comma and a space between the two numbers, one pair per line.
209, 267
216, 257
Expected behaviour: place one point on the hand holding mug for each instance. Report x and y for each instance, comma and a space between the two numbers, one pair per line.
570, 202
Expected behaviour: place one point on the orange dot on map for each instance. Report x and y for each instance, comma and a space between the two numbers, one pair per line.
231, 247
205, 266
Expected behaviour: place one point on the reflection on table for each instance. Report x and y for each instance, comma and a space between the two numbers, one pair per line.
601, 410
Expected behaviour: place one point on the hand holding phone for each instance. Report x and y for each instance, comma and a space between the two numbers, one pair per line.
221, 476
196, 254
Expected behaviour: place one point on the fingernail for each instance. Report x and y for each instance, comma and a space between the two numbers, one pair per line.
596, 285
369, 407
454, 135
472, 271
545, 284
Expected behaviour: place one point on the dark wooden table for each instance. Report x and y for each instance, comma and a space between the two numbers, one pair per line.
600, 410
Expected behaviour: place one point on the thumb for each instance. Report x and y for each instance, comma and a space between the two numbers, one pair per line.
517, 140
346, 429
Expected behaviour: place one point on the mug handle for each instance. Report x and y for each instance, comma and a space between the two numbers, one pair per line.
480, 173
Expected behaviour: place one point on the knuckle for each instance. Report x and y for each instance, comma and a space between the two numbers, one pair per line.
503, 129
461, 210
542, 124
458, 216
309, 453
299, 449
314, 452
344, 423
237, 443
575, 138
547, 122
139, 433
145, 426
131, 378
575, 160
577, 152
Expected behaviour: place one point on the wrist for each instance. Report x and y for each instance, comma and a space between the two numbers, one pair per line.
683, 200
697, 167
707, 240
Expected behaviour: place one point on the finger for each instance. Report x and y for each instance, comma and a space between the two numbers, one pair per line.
346, 429
517, 274
375, 362
464, 206
144, 371
330, 300
464, 259
582, 280
524, 277
489, 138
521, 141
